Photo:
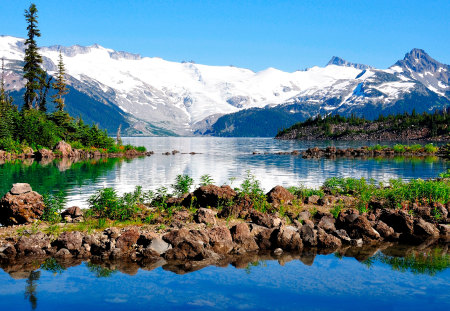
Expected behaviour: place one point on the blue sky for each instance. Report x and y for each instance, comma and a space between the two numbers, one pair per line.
288, 35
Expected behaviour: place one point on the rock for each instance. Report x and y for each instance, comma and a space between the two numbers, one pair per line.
21, 208
424, 229
287, 238
308, 235
186, 244
127, 239
384, 230
441, 210
220, 239
399, 220
327, 200
205, 216
112, 233
9, 250
422, 211
63, 253
278, 196
313, 199
304, 215
343, 236
377, 203
71, 241
444, 230
63, 148
346, 217
182, 216
159, 246
213, 196
73, 212
264, 219
43, 154
327, 223
20, 188
265, 239
241, 235
361, 228
278, 252
33, 245
325, 240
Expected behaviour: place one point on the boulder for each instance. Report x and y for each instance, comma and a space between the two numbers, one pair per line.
264, 219
288, 238
325, 240
304, 215
441, 210
384, 230
63, 148
159, 246
265, 239
343, 236
313, 199
243, 238
21, 206
211, 195
220, 239
69, 240
127, 239
33, 245
205, 216
186, 244
361, 228
399, 220
240, 207
73, 212
43, 154
424, 230
327, 223
308, 235
20, 188
63, 253
278, 196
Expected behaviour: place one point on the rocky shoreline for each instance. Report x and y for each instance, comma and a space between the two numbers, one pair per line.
212, 233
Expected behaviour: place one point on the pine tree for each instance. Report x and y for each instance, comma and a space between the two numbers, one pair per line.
60, 85
33, 72
6, 108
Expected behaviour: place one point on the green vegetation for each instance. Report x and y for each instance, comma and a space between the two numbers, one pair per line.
429, 263
437, 123
183, 184
302, 192
34, 127
54, 205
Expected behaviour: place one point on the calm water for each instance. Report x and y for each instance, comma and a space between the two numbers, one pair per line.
326, 282
226, 159
222, 158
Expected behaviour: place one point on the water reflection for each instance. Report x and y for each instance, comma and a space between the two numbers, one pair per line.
308, 279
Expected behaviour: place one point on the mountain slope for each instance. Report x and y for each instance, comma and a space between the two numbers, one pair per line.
152, 96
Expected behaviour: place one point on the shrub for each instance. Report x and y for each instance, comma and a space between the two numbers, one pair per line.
399, 148
302, 192
430, 148
206, 180
54, 204
183, 184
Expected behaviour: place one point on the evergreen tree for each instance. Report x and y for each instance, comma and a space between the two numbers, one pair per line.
33, 72
60, 85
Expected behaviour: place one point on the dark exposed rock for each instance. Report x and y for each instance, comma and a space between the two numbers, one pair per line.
127, 239
23, 207
325, 240
423, 229
243, 238
220, 239
384, 230
33, 245
206, 216
63, 253
308, 235
211, 195
43, 154
304, 215
72, 213
278, 195
361, 228
399, 220
69, 240
343, 236
327, 223
266, 220
265, 239
313, 199
288, 238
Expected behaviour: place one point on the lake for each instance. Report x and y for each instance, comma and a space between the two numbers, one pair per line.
388, 278
226, 160
385, 279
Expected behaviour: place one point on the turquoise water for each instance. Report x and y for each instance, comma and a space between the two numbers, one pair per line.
328, 283
226, 159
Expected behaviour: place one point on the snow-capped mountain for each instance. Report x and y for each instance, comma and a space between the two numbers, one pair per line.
153, 95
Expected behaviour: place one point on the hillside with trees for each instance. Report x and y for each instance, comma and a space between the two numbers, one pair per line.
407, 126
31, 124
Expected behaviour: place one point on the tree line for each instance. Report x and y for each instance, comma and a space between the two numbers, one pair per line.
34, 125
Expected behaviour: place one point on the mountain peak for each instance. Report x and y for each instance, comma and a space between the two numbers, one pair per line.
417, 60
335, 60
